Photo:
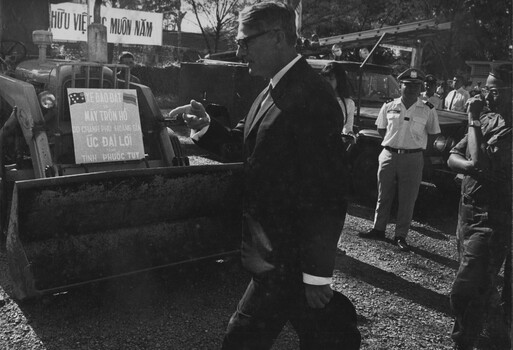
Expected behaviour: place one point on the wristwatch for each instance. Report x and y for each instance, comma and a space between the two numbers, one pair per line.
474, 123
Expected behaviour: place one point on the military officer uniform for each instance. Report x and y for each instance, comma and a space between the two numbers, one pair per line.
401, 160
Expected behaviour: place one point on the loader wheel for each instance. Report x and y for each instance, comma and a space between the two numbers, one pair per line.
180, 158
364, 175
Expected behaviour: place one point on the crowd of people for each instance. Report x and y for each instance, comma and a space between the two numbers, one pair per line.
294, 210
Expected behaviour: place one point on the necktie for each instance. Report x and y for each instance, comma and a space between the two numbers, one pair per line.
267, 95
452, 100
266, 103
265, 99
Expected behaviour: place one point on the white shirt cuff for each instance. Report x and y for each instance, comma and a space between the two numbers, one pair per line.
316, 280
196, 134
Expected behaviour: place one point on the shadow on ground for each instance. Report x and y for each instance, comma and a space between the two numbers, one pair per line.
393, 283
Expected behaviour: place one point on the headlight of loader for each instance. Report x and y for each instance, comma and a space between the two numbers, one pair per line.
47, 100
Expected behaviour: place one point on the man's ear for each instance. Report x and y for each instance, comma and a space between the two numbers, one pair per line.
280, 37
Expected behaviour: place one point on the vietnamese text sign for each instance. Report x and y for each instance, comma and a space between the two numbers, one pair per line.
69, 21
105, 125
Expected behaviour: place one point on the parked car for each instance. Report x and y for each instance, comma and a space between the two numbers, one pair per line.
373, 85
228, 83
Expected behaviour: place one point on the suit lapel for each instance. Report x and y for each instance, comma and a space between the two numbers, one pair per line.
257, 111
279, 100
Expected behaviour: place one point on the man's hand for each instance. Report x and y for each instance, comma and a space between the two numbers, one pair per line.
194, 115
318, 296
475, 106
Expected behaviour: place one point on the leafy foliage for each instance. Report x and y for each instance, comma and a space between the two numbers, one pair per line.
481, 29
217, 17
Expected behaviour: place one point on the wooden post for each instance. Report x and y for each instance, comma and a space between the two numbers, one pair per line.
416, 55
1, 19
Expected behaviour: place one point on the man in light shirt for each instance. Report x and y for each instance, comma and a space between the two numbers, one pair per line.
294, 191
457, 98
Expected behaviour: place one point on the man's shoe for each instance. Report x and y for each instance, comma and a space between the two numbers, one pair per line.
401, 243
377, 234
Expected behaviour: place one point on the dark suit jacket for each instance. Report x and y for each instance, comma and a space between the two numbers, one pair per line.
294, 176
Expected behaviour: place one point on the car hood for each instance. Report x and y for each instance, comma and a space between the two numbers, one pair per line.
444, 117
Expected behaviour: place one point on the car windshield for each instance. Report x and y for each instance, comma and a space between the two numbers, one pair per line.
376, 87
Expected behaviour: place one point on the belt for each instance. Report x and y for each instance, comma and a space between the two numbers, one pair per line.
403, 151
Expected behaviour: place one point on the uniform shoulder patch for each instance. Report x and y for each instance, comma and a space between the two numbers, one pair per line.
429, 104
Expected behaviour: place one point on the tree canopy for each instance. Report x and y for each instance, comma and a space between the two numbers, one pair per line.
481, 29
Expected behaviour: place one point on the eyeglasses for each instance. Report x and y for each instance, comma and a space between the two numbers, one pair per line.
493, 91
244, 42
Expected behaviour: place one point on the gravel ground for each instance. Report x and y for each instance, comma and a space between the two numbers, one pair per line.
401, 298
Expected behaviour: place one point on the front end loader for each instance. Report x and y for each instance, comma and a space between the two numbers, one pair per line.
72, 216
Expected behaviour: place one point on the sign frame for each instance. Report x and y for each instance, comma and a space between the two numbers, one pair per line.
105, 124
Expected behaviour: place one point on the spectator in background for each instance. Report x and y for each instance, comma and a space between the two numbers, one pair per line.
336, 52
429, 94
404, 123
456, 99
476, 90
484, 220
468, 87
337, 77
364, 53
128, 59
441, 91
57, 52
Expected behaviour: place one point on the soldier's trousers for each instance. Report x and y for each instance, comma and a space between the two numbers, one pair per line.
401, 172
483, 243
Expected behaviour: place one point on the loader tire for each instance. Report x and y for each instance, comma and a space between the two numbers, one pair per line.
180, 158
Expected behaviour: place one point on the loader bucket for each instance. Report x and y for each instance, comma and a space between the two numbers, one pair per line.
68, 231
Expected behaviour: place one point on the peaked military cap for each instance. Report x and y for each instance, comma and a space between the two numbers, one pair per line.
411, 75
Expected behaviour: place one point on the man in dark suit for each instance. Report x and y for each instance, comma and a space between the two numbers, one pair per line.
295, 182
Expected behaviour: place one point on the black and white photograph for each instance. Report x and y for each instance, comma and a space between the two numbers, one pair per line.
256, 174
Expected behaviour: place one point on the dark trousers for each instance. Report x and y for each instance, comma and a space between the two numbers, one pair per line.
483, 243
268, 304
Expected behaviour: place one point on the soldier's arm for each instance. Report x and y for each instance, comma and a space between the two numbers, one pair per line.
475, 135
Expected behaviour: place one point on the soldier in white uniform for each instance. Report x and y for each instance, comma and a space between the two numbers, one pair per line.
404, 124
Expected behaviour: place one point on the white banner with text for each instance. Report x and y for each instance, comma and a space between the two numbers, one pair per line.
69, 21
